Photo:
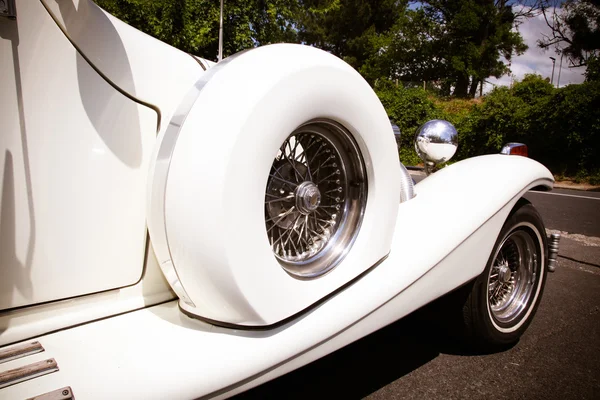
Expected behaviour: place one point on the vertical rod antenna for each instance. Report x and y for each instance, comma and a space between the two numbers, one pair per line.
220, 56
559, 70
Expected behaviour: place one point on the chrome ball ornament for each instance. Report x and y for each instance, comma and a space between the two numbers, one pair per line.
436, 141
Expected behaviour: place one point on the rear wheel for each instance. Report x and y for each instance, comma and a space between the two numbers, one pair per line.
502, 301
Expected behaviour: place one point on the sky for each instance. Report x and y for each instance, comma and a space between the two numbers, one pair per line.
536, 60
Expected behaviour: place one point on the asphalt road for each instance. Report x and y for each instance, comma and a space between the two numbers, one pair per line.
557, 358
569, 210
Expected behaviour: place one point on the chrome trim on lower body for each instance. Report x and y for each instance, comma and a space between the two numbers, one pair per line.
20, 350
27, 372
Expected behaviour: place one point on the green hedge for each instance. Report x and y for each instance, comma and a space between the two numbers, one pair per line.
560, 126
409, 108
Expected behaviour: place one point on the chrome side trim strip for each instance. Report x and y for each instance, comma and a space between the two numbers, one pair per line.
65, 393
20, 350
27, 372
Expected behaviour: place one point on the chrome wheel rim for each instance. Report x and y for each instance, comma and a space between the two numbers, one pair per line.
513, 277
315, 198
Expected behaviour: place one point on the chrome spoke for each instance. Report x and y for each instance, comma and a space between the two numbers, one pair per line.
290, 156
322, 164
300, 234
297, 142
285, 214
277, 240
281, 176
336, 172
306, 220
293, 165
315, 233
318, 152
292, 184
280, 199
324, 221
336, 198
291, 241
290, 231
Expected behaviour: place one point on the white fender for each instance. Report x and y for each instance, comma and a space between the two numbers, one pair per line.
454, 204
206, 214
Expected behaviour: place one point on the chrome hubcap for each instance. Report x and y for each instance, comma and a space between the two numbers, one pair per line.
315, 198
513, 275
504, 274
308, 197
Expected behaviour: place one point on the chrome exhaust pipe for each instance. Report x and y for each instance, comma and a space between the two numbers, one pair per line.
553, 242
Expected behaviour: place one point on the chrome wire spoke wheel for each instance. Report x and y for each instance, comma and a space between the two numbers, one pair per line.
496, 308
315, 198
513, 277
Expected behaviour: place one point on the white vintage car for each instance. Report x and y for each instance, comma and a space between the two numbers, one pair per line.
175, 228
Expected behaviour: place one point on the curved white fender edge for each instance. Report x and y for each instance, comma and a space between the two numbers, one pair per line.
158, 352
502, 179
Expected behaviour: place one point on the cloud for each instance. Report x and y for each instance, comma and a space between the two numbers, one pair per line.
536, 60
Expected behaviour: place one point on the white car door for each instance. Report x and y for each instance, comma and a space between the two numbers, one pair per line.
74, 155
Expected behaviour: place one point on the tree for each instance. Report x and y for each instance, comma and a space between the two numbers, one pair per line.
455, 43
575, 29
408, 109
592, 71
473, 36
406, 51
532, 88
568, 130
193, 25
353, 30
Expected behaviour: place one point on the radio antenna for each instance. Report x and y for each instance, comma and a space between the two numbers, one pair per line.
220, 56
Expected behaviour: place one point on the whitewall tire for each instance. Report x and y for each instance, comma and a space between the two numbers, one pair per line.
504, 298
210, 220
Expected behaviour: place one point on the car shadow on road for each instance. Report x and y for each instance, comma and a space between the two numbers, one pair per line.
369, 364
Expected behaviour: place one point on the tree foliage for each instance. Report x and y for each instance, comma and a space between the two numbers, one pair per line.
350, 29
567, 129
408, 108
560, 126
456, 43
193, 25
406, 51
592, 71
575, 29
474, 38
